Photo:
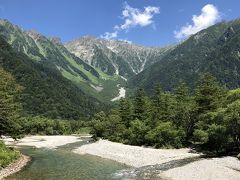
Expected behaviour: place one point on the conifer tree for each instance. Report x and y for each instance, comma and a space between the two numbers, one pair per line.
184, 109
126, 111
142, 109
209, 95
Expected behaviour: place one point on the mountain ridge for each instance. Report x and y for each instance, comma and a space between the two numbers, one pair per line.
49, 51
118, 54
201, 52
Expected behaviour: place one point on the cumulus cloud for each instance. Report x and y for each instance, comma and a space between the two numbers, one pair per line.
208, 17
133, 17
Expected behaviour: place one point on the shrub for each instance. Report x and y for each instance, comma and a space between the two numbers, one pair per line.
7, 155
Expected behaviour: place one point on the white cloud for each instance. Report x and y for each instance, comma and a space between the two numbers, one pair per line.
108, 35
133, 17
208, 17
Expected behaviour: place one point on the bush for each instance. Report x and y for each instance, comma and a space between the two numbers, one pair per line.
238, 156
200, 136
165, 135
7, 155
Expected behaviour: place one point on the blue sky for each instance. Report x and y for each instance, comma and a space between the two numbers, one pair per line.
147, 22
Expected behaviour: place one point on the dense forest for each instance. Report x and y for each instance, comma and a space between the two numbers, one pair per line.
45, 92
209, 118
214, 50
16, 123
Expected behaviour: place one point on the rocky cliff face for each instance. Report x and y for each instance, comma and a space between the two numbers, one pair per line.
116, 57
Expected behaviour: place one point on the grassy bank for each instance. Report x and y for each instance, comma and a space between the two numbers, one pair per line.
7, 155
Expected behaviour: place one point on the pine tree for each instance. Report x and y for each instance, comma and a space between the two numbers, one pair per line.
232, 121
126, 111
157, 99
209, 95
142, 107
163, 106
184, 109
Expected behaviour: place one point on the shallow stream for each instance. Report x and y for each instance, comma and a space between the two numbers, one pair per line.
62, 163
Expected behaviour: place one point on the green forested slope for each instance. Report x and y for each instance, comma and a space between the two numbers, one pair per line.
214, 50
52, 54
46, 92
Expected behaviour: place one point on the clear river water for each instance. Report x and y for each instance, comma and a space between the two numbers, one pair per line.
63, 164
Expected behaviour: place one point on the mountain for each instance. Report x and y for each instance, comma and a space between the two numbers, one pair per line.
114, 56
51, 53
100, 68
215, 50
46, 92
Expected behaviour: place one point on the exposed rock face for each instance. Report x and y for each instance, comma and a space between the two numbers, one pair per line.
120, 57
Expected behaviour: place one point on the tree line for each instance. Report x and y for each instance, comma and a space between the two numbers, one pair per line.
208, 117
15, 123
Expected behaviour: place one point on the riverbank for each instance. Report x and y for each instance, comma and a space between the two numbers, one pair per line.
42, 141
133, 155
14, 167
224, 168
205, 168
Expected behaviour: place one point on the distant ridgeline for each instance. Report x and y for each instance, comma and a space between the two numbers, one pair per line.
45, 91
77, 79
215, 50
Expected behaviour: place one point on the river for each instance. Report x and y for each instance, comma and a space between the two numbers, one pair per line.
61, 163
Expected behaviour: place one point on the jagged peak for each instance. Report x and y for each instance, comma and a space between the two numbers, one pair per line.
55, 40
6, 23
34, 34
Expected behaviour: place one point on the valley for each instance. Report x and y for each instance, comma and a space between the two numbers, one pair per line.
79, 156
137, 97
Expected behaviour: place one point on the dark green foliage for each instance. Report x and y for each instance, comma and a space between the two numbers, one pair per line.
185, 110
7, 155
165, 135
141, 105
9, 105
136, 132
126, 111
46, 92
11, 122
232, 121
210, 118
214, 50
208, 95
41, 125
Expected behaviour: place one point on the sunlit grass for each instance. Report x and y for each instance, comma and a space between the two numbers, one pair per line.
7, 155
